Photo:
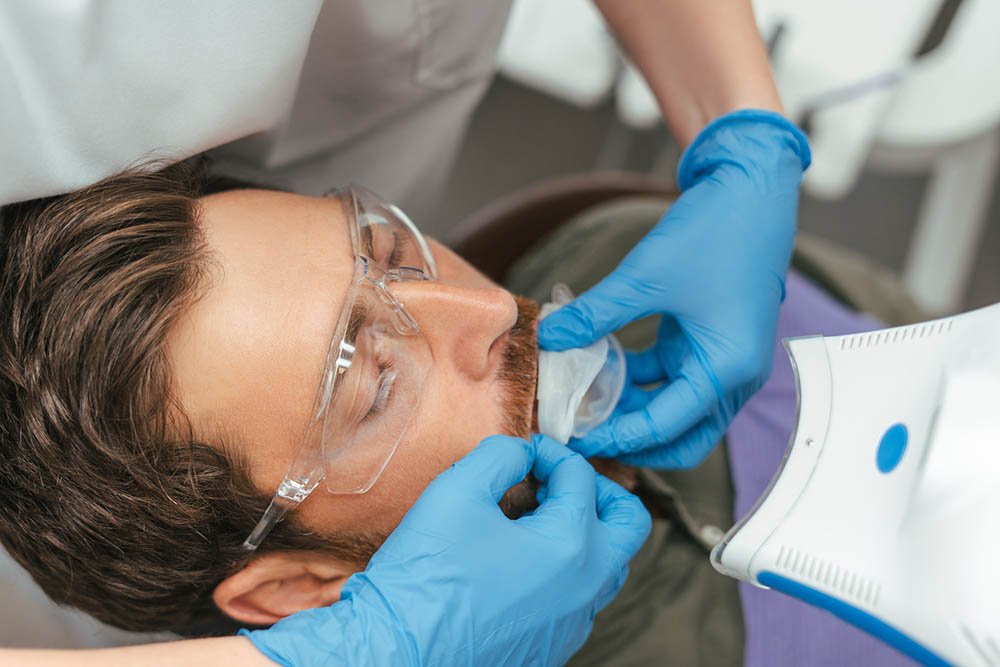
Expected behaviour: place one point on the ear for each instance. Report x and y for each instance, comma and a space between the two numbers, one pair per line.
278, 584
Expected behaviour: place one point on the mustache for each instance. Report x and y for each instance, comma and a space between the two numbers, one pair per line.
518, 376
518, 372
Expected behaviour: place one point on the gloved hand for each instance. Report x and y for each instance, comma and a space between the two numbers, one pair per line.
714, 267
457, 583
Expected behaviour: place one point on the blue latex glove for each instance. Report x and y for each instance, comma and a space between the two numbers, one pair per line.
714, 267
457, 583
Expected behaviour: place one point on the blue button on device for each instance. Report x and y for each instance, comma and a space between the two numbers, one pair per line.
891, 448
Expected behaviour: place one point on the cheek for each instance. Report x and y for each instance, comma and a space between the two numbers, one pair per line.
454, 415
451, 420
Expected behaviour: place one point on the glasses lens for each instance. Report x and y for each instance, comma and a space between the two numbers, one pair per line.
379, 376
374, 399
387, 236
376, 366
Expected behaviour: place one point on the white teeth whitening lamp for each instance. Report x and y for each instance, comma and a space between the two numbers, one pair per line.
886, 508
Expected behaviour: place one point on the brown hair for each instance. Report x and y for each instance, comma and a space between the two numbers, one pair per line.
107, 503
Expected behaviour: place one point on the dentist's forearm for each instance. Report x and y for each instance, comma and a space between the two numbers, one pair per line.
702, 58
190, 653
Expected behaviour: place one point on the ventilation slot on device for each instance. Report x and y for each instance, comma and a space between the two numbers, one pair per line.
829, 575
985, 647
897, 335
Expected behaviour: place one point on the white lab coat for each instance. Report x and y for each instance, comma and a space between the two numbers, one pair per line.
303, 93
379, 95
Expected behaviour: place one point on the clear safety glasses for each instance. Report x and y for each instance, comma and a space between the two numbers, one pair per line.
375, 366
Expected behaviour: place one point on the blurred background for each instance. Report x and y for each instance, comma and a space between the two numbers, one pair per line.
901, 99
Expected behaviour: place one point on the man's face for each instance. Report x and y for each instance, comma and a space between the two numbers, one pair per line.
248, 355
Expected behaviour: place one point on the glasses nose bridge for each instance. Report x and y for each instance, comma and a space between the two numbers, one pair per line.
379, 279
402, 320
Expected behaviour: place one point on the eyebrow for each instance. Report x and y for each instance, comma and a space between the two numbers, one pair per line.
359, 316
367, 241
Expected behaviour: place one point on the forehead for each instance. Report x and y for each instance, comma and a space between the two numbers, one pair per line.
268, 228
249, 352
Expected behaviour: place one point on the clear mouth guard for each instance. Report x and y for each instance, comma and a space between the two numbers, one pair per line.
579, 388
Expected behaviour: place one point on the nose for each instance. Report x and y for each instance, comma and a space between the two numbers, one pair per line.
461, 324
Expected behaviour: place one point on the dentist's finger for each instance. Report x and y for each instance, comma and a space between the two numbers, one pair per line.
645, 366
624, 515
684, 453
496, 464
676, 408
569, 481
606, 307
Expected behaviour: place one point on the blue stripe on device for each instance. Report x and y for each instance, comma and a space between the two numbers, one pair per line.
854, 616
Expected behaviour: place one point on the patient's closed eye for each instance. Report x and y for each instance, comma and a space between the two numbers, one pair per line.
383, 390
